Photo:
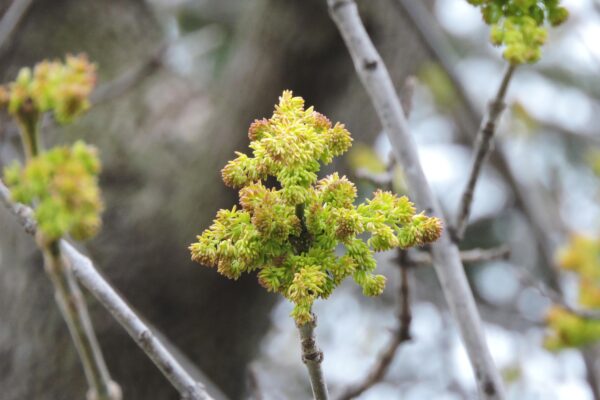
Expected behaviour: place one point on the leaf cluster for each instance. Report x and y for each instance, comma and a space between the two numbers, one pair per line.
304, 236
520, 25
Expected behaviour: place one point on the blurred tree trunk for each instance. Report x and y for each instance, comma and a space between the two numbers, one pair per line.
162, 184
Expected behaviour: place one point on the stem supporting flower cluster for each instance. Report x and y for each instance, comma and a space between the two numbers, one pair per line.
74, 311
312, 357
67, 293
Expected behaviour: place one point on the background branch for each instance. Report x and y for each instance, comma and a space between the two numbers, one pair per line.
376, 79
84, 271
130, 78
482, 149
437, 44
74, 310
423, 258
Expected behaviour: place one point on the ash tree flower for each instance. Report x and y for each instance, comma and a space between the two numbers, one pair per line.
520, 25
289, 234
61, 183
60, 87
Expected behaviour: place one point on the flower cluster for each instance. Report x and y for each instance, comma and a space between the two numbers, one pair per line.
289, 234
520, 25
63, 185
582, 256
62, 88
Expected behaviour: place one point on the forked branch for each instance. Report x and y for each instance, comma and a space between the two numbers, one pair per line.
445, 254
483, 146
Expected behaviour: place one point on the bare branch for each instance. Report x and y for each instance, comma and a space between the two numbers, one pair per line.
423, 258
437, 44
11, 20
312, 357
137, 329
75, 313
84, 271
445, 255
483, 147
23, 213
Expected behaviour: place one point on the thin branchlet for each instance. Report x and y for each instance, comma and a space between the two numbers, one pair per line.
483, 147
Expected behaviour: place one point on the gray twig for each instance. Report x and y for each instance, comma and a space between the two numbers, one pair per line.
312, 357
483, 147
445, 255
423, 258
75, 313
23, 213
84, 271
402, 332
437, 44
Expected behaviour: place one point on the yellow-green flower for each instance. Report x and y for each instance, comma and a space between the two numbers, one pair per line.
62, 184
520, 25
289, 234
62, 88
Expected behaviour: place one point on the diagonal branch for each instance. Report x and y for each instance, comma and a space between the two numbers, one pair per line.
483, 147
85, 272
423, 258
445, 255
